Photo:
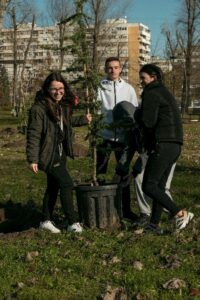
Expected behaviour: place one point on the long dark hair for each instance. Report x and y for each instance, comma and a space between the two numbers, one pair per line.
153, 70
67, 100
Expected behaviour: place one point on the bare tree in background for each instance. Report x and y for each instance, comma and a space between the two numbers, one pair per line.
180, 44
98, 11
59, 11
23, 81
4, 86
174, 77
188, 37
18, 12
3, 5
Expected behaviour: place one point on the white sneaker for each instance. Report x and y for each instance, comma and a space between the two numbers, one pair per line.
75, 227
184, 220
48, 225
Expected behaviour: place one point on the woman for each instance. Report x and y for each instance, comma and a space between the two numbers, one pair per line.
49, 140
161, 122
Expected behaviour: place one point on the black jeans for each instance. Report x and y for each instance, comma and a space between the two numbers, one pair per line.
103, 155
156, 174
58, 178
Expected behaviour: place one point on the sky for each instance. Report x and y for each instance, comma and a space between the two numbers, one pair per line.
152, 13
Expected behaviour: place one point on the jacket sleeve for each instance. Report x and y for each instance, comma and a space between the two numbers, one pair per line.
150, 109
34, 132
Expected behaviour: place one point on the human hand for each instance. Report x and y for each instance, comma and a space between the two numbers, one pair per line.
34, 167
89, 118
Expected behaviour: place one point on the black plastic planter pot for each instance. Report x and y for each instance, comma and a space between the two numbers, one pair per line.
99, 206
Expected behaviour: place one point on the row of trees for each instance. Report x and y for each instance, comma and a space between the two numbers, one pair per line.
61, 12
181, 44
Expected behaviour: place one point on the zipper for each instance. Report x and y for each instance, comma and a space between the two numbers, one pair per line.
115, 102
54, 150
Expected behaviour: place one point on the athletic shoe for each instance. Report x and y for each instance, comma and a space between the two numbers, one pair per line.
143, 220
48, 225
131, 216
184, 220
75, 227
153, 228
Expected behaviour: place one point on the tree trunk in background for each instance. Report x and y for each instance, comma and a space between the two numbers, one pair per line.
21, 102
14, 99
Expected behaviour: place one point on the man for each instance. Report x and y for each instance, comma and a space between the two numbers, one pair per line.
113, 91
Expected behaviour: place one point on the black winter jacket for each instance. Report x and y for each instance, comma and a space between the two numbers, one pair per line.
42, 134
159, 116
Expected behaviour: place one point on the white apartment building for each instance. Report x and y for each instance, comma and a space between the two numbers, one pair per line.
114, 42
130, 42
164, 64
40, 54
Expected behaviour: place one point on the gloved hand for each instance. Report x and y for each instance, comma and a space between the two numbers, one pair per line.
125, 180
122, 180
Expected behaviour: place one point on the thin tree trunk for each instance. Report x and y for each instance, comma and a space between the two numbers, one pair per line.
61, 39
21, 84
14, 101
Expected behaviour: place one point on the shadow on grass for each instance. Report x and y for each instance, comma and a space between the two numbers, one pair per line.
17, 217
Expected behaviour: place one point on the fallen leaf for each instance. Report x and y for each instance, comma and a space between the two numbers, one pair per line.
34, 253
28, 257
116, 273
66, 253
172, 262
32, 281
31, 255
115, 260
138, 265
115, 294
58, 243
139, 231
104, 263
174, 283
194, 292
54, 271
139, 297
120, 235
20, 285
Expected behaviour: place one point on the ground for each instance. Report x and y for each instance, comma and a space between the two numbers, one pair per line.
98, 264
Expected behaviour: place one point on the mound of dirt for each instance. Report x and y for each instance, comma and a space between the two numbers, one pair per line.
14, 144
7, 131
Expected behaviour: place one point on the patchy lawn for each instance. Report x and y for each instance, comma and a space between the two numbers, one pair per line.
98, 264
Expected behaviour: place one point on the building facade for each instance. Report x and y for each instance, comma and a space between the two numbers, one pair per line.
129, 42
139, 47
174, 70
